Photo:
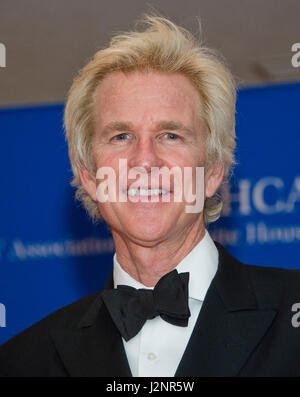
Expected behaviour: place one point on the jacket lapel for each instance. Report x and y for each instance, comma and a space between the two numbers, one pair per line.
230, 324
94, 348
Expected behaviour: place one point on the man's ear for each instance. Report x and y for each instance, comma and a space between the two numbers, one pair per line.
213, 179
88, 181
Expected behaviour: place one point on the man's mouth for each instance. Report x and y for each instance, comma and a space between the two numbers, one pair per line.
146, 192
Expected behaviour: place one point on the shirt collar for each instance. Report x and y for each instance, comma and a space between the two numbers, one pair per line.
201, 262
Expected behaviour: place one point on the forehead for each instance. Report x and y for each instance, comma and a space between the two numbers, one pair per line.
146, 94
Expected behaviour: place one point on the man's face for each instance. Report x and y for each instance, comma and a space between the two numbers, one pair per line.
150, 119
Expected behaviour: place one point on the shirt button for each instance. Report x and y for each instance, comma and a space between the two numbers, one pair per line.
151, 356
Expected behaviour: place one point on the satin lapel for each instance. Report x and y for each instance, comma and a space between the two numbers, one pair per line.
94, 348
230, 324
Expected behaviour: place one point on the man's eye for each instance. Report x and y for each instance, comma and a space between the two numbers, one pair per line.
121, 137
171, 136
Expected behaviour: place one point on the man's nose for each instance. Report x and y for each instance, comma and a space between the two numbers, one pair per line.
145, 155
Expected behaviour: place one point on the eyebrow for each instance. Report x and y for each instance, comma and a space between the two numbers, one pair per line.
118, 126
162, 125
173, 126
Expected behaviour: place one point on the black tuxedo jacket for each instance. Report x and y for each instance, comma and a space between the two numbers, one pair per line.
244, 329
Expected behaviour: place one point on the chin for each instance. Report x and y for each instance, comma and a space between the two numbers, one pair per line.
148, 229
147, 235
142, 222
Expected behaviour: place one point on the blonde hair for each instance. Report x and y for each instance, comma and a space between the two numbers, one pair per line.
166, 47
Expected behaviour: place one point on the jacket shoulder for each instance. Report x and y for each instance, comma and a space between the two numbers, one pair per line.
33, 351
270, 282
271, 285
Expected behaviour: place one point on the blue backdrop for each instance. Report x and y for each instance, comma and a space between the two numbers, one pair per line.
50, 252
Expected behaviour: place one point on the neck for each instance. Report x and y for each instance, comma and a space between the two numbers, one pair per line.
147, 264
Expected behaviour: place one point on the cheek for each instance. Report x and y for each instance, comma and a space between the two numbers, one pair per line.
106, 160
180, 158
191, 154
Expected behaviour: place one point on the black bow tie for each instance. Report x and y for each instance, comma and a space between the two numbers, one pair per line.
130, 308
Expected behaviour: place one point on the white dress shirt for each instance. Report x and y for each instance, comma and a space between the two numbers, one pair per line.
159, 346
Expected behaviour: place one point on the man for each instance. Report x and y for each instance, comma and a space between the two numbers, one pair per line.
177, 304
